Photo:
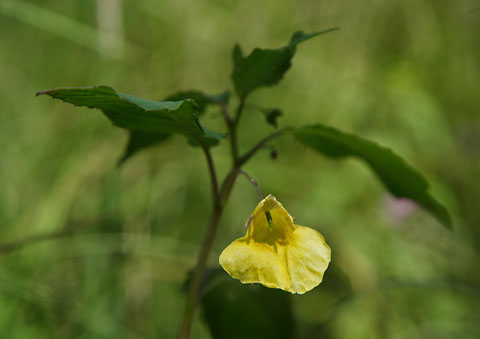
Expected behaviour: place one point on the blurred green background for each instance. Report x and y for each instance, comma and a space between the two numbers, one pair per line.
90, 250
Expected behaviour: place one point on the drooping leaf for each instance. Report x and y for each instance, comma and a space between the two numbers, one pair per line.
139, 140
136, 114
397, 176
265, 67
233, 310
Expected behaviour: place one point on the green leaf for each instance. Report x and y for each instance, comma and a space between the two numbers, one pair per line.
233, 310
265, 67
136, 114
139, 140
398, 177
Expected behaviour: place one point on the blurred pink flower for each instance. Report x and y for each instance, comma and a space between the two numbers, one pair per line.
398, 209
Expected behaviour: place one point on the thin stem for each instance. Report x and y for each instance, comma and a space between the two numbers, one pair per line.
194, 288
238, 113
243, 159
226, 115
253, 182
219, 198
234, 145
213, 175
233, 132
227, 186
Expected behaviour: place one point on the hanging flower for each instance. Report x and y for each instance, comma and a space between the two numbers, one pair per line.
277, 253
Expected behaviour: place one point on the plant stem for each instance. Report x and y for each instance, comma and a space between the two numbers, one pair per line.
219, 199
194, 287
195, 284
213, 175
226, 115
243, 159
239, 111
232, 126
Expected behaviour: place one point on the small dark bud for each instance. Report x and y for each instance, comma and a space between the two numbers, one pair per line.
273, 154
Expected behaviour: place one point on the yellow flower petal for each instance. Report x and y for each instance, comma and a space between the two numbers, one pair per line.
281, 255
282, 222
253, 262
308, 256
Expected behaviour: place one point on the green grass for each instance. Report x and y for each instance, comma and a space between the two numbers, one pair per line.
403, 73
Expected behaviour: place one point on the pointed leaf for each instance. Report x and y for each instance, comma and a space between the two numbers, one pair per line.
138, 114
265, 67
397, 176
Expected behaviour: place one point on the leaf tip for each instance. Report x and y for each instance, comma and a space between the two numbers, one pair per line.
445, 219
121, 161
300, 36
46, 91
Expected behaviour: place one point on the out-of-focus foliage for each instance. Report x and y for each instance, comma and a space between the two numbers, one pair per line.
403, 73
399, 178
237, 311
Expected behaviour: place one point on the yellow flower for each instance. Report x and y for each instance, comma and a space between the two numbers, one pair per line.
277, 253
